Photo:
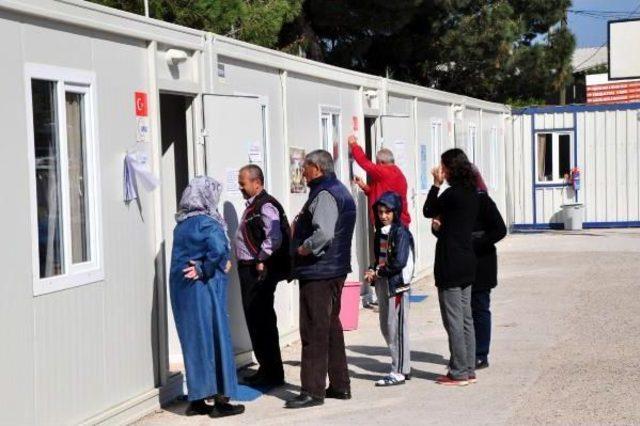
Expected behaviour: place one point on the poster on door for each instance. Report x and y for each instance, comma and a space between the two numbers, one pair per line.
296, 163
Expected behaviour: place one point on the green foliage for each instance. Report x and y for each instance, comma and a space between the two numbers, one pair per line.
255, 21
492, 49
599, 69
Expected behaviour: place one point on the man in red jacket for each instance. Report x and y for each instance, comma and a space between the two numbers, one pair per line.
383, 176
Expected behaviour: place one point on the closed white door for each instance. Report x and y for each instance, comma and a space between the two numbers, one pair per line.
397, 135
234, 138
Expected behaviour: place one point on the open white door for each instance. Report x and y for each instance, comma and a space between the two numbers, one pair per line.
234, 138
397, 135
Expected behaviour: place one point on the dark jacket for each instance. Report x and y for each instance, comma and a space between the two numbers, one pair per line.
399, 245
455, 262
336, 259
489, 229
279, 263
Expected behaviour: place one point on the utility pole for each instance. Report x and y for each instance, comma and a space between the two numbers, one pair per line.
563, 88
146, 8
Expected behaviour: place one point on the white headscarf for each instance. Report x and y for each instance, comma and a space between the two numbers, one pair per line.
201, 197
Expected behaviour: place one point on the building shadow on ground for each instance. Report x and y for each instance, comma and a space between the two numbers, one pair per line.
285, 392
416, 356
381, 368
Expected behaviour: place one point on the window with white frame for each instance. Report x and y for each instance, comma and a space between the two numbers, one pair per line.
472, 140
554, 153
63, 175
494, 153
331, 136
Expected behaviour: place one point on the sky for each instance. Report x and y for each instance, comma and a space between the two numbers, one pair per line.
592, 32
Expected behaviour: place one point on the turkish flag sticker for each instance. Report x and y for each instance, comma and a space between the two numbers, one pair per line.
141, 104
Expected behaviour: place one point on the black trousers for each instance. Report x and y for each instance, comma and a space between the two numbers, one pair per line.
257, 301
323, 349
481, 307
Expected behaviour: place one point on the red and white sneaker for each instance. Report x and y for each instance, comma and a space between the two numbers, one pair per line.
472, 379
451, 381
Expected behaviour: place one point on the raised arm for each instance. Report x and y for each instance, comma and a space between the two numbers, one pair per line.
374, 171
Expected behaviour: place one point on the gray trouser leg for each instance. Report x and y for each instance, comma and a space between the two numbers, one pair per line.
469, 330
455, 307
394, 325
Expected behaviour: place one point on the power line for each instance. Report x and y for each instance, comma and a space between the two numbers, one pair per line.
604, 14
629, 14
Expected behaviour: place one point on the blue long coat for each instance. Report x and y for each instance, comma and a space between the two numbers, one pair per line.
200, 308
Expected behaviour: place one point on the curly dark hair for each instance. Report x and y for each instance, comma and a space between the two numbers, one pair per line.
460, 169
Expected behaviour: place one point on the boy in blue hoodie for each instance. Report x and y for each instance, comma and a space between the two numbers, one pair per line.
391, 274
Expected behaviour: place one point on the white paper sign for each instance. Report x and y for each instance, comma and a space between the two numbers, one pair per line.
400, 154
231, 182
256, 154
142, 129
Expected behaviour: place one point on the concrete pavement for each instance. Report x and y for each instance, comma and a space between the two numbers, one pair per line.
565, 350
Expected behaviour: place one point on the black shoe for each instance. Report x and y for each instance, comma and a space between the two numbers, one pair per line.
225, 409
198, 408
481, 363
303, 401
336, 394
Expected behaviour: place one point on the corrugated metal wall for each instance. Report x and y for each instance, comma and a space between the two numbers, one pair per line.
611, 156
605, 140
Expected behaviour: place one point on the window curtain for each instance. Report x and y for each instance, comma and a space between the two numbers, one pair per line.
542, 155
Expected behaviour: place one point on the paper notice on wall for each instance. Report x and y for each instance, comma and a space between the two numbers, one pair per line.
400, 154
424, 169
231, 182
256, 153
142, 129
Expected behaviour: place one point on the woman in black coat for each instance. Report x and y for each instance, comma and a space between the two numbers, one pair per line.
455, 209
489, 229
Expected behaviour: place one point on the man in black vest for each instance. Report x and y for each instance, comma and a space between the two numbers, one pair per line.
262, 250
322, 259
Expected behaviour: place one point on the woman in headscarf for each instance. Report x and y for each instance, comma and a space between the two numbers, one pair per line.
488, 230
198, 281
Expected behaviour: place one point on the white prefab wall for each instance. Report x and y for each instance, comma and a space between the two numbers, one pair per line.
93, 341
604, 143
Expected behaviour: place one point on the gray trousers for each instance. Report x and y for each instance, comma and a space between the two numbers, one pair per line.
455, 307
394, 325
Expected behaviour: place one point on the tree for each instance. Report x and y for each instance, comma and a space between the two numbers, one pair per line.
255, 21
492, 49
